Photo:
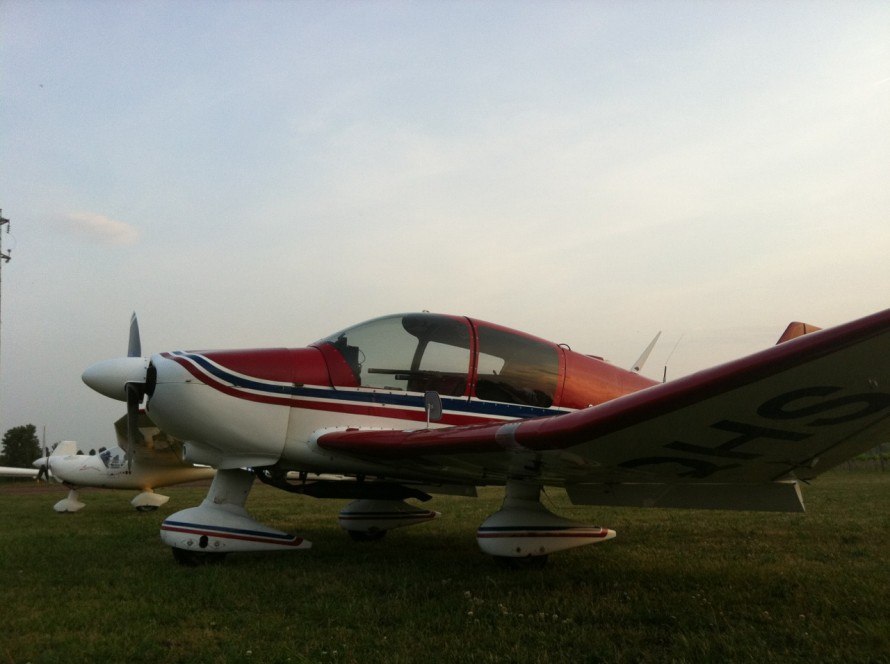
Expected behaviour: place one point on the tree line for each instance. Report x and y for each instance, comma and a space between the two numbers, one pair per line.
20, 447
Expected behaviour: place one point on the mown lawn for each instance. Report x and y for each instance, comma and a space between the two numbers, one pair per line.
673, 586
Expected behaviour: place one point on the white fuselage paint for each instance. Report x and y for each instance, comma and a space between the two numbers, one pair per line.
89, 470
248, 433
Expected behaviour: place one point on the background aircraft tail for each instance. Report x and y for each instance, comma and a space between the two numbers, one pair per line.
65, 448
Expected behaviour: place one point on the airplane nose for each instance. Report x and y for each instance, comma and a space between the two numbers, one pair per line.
39, 463
110, 377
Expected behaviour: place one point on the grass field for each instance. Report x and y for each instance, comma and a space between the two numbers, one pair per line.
674, 585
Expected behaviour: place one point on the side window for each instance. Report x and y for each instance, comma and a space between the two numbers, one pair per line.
516, 369
443, 367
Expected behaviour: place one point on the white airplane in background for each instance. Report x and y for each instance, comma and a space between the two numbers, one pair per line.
420, 403
156, 462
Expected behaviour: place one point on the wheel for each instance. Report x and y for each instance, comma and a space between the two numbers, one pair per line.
146, 508
528, 562
366, 535
190, 558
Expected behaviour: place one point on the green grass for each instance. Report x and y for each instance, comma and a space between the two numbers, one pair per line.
674, 586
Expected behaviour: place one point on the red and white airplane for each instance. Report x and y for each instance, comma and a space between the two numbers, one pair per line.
420, 403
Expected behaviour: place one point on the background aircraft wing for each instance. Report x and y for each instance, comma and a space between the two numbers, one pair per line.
10, 471
723, 437
155, 447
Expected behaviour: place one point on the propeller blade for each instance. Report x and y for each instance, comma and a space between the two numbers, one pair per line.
125, 379
638, 365
134, 348
134, 398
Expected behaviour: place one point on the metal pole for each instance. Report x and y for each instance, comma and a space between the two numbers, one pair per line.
4, 257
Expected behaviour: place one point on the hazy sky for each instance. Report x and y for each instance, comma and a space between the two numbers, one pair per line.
265, 173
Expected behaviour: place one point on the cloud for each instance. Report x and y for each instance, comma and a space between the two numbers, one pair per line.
101, 228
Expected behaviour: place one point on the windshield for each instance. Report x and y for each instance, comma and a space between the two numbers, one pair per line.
406, 352
113, 458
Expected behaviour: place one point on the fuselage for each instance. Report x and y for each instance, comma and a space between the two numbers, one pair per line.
110, 470
260, 407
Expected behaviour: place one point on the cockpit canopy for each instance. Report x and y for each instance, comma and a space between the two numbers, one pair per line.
114, 458
451, 355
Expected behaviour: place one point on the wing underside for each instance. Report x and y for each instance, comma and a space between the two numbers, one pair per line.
736, 436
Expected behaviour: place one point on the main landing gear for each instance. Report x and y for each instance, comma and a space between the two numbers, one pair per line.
523, 532
519, 535
148, 501
368, 520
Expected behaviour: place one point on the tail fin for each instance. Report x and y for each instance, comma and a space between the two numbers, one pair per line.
65, 448
795, 330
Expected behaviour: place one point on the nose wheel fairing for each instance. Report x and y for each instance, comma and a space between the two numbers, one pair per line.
221, 524
70, 503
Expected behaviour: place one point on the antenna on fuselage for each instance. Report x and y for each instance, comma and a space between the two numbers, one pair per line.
664, 376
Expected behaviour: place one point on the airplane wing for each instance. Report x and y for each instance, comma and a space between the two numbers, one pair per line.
732, 437
9, 471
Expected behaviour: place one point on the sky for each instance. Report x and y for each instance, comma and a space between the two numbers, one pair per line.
264, 173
